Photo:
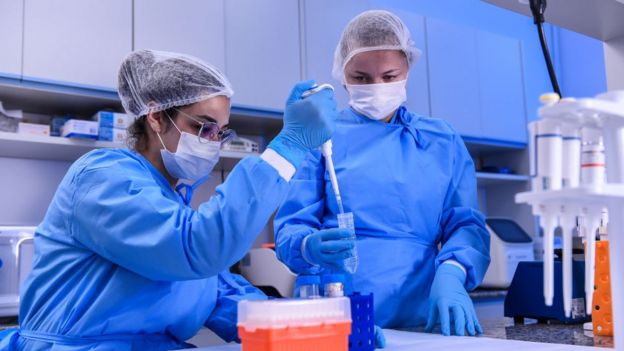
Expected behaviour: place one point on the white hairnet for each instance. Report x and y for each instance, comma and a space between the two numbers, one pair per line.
370, 31
152, 81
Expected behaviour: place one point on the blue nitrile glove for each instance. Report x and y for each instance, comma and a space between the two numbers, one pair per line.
329, 248
380, 339
308, 123
448, 295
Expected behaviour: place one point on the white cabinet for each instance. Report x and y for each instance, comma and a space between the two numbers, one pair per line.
324, 21
418, 81
77, 41
453, 75
193, 27
11, 17
501, 87
262, 50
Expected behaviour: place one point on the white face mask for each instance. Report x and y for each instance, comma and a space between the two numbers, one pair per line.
377, 101
192, 159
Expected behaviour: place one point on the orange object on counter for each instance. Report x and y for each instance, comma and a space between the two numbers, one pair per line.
602, 317
326, 337
295, 324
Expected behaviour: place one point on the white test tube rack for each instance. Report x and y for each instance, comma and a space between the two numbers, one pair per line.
560, 207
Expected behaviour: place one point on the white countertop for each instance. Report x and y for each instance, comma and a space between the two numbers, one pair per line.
401, 340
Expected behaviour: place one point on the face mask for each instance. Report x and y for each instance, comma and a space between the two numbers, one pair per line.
192, 159
377, 101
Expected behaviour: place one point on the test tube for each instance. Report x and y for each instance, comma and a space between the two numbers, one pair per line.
593, 165
345, 220
547, 156
571, 166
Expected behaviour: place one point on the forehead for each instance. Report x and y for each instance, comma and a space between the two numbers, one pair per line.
377, 61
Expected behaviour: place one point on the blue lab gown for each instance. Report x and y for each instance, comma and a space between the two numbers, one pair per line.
411, 185
122, 263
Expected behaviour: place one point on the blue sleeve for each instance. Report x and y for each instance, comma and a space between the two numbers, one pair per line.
122, 214
301, 214
232, 288
464, 236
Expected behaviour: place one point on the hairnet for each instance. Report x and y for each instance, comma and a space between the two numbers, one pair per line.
370, 31
152, 81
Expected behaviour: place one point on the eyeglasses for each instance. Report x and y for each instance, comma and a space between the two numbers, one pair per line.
210, 131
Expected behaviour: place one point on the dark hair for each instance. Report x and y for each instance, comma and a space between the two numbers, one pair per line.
138, 138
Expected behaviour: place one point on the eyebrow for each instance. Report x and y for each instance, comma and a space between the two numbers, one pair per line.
206, 118
394, 70
391, 71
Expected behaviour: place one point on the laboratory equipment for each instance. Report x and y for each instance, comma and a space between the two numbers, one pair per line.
240, 144
602, 316
308, 287
524, 297
262, 269
345, 220
16, 252
599, 118
362, 336
326, 150
509, 245
571, 155
312, 324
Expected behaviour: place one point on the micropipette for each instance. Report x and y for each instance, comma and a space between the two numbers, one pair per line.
326, 150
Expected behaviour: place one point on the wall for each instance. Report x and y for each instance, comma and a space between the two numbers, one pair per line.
614, 57
26, 188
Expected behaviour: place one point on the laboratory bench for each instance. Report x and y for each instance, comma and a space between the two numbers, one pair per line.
499, 333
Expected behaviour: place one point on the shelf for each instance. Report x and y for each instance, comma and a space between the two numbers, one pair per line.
53, 97
484, 146
601, 20
485, 179
65, 149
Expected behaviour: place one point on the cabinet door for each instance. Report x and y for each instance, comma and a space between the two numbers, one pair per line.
193, 27
262, 50
11, 16
453, 75
324, 22
501, 88
77, 41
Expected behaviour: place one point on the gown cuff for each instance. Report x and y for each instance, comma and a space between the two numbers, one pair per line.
456, 264
285, 169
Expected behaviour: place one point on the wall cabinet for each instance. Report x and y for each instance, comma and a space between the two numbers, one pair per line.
262, 51
11, 20
76, 41
193, 27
